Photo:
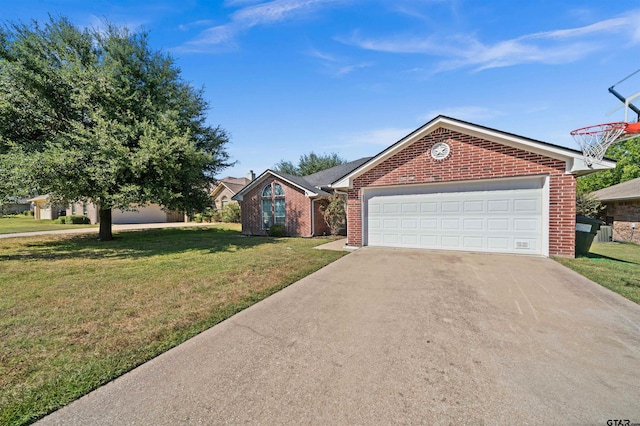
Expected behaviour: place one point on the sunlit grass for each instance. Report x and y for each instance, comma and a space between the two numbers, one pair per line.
615, 266
76, 313
11, 224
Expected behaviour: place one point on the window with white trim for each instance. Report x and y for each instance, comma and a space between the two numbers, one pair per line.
273, 205
224, 201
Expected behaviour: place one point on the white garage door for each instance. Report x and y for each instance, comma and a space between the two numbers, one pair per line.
505, 217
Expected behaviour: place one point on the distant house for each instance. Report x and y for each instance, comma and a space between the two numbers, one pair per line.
147, 213
224, 191
276, 198
43, 209
622, 202
14, 205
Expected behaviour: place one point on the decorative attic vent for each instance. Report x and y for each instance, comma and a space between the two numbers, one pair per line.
520, 244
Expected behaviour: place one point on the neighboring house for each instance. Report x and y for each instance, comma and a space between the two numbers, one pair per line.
14, 205
449, 185
148, 213
622, 202
43, 209
224, 191
293, 201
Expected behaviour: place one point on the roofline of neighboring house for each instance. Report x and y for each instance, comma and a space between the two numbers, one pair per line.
631, 197
239, 196
219, 185
573, 158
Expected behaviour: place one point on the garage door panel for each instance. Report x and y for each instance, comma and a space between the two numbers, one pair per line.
410, 224
498, 206
473, 224
508, 221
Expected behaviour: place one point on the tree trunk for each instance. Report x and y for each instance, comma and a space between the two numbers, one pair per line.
105, 225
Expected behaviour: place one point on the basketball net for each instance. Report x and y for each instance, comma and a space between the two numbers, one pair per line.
594, 140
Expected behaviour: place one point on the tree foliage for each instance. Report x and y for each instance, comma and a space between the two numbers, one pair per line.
627, 154
101, 116
335, 214
588, 205
309, 164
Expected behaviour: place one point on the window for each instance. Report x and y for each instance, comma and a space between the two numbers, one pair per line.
85, 208
224, 201
273, 205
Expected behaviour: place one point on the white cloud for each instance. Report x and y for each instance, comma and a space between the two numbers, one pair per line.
251, 16
335, 65
551, 47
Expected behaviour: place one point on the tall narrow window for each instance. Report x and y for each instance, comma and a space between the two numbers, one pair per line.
273, 206
224, 201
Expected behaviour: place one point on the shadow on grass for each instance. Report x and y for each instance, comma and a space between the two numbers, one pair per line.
137, 244
601, 256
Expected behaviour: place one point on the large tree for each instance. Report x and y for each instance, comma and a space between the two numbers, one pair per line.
310, 164
99, 115
627, 155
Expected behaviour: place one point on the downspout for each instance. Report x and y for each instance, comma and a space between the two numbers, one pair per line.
313, 217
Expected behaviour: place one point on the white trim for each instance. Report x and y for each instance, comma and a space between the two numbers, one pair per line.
574, 161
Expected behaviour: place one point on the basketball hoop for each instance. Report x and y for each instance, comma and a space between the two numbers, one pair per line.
594, 140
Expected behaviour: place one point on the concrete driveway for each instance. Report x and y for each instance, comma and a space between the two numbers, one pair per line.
399, 336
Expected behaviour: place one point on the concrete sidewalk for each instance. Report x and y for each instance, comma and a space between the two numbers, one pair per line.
123, 227
398, 336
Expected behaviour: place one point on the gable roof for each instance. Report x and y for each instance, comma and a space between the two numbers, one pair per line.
313, 185
231, 183
622, 191
324, 178
574, 159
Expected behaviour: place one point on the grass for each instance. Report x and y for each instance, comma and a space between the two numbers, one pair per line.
11, 224
76, 313
615, 266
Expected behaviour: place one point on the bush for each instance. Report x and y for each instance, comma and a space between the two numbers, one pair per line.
335, 214
276, 230
216, 216
75, 219
197, 218
231, 213
61, 220
588, 205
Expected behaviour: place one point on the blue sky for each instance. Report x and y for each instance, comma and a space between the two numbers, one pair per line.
287, 77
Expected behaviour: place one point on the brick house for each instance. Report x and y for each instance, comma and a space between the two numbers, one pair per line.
455, 185
292, 201
226, 188
622, 203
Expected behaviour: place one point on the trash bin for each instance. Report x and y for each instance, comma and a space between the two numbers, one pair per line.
586, 230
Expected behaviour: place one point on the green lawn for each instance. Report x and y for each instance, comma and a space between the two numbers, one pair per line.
76, 313
615, 266
11, 224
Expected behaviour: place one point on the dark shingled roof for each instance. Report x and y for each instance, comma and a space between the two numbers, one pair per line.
622, 191
324, 178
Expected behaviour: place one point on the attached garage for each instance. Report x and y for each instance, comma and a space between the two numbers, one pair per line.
504, 216
454, 185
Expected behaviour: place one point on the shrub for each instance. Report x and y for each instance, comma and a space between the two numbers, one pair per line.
334, 214
216, 216
231, 213
588, 205
276, 230
61, 220
75, 219
197, 218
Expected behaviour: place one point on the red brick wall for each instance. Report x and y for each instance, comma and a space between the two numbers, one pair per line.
625, 214
298, 210
472, 158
